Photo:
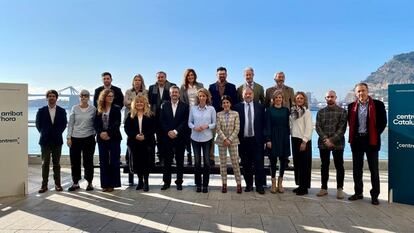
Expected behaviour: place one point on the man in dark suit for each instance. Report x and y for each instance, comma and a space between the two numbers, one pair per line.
51, 122
157, 95
107, 84
217, 90
174, 123
367, 119
251, 138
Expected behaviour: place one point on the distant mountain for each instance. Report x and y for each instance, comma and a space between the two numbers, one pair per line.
399, 70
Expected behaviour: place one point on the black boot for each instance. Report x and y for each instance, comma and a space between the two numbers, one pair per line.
140, 183
146, 185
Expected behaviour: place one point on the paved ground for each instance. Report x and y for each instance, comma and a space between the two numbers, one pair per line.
127, 210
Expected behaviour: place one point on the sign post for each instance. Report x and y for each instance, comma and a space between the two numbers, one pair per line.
401, 143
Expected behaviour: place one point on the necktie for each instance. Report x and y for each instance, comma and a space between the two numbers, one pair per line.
249, 123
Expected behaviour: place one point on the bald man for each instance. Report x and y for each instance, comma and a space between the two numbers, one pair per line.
331, 127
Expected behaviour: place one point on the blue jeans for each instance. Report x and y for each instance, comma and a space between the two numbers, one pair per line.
205, 169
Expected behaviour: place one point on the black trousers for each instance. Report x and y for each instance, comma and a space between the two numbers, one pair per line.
338, 156
252, 160
360, 146
173, 148
85, 147
202, 147
303, 163
273, 164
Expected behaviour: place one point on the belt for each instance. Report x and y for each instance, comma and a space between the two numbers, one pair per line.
362, 134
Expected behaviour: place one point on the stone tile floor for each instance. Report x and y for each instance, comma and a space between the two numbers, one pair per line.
128, 210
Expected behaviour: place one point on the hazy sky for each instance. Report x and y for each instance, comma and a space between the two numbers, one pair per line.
320, 45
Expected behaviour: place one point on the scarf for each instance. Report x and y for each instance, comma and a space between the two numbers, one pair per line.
372, 120
297, 112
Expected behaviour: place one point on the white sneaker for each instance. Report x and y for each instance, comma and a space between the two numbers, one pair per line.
322, 192
340, 194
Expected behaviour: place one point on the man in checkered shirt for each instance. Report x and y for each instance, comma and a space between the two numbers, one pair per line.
331, 126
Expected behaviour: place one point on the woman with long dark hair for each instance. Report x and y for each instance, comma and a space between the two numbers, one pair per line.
107, 123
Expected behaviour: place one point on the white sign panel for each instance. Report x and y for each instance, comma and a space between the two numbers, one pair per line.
13, 139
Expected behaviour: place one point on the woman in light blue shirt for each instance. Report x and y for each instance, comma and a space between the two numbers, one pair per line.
81, 140
201, 121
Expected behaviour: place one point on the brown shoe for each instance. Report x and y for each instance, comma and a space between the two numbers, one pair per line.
58, 188
224, 188
43, 189
239, 188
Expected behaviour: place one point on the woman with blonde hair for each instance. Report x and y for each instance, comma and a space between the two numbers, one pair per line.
107, 123
301, 131
139, 126
277, 134
202, 121
138, 88
188, 94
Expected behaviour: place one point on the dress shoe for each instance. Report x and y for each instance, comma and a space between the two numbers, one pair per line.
179, 187
140, 186
355, 197
302, 192
224, 188
198, 189
110, 189
375, 201
58, 188
205, 189
73, 187
248, 189
43, 189
239, 189
295, 190
260, 190
146, 188
89, 187
165, 187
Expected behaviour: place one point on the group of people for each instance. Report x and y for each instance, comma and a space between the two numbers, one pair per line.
246, 123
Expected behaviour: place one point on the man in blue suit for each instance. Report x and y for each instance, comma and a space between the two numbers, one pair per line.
174, 125
217, 90
51, 122
251, 138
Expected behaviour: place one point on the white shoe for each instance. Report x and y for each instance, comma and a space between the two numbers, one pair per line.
340, 194
322, 192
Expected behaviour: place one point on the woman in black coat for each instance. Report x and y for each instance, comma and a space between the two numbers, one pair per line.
139, 126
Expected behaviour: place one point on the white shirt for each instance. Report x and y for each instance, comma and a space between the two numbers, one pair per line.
52, 112
161, 91
174, 107
140, 124
302, 127
246, 117
192, 94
